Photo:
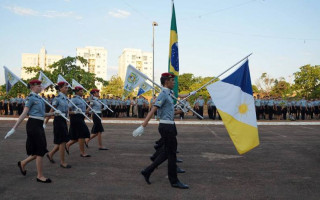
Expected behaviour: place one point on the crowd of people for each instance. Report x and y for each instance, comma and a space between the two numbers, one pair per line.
267, 108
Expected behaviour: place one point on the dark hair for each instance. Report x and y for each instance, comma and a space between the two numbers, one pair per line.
28, 86
92, 92
163, 80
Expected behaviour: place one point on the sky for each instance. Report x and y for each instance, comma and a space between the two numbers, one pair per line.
283, 35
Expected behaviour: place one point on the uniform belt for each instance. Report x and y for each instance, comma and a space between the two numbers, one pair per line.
36, 117
163, 121
63, 114
98, 112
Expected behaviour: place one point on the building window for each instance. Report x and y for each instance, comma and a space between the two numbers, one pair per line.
133, 57
145, 58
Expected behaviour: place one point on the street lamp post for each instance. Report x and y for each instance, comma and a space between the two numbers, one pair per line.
153, 25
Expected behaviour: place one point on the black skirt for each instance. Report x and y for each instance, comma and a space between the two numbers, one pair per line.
78, 128
60, 130
97, 125
36, 139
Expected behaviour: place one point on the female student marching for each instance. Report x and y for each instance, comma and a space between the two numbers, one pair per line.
60, 127
36, 144
97, 128
78, 129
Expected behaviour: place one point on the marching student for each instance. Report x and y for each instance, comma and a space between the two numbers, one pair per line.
165, 107
60, 127
97, 127
78, 129
36, 144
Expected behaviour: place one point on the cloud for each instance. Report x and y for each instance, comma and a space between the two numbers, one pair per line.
22, 11
119, 13
47, 14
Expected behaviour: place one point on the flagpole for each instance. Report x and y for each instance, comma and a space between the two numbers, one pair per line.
218, 76
75, 105
97, 99
146, 77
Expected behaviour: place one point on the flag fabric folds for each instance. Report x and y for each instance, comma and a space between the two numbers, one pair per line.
60, 78
133, 79
46, 82
75, 84
173, 65
234, 101
144, 87
10, 78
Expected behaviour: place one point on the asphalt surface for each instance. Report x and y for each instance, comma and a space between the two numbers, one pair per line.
284, 166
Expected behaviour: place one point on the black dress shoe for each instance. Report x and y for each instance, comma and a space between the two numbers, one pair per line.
50, 159
179, 170
152, 158
20, 167
48, 180
179, 185
146, 176
179, 160
177, 151
103, 148
66, 167
85, 156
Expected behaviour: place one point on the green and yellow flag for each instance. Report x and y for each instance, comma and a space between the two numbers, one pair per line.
173, 66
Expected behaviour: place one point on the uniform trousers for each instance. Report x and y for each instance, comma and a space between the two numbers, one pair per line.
168, 134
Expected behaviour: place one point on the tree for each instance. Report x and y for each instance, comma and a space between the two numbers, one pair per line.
115, 87
69, 70
265, 83
185, 81
281, 88
255, 89
307, 81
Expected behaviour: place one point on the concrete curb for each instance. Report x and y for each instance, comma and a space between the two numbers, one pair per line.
152, 121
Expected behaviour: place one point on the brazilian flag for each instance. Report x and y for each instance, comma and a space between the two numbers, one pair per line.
173, 65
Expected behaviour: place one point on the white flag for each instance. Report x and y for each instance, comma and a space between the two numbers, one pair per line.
133, 79
46, 82
75, 84
60, 78
10, 78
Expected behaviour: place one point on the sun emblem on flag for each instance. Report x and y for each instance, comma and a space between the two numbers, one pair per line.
132, 78
243, 108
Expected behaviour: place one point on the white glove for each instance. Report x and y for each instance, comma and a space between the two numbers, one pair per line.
57, 113
105, 107
78, 111
44, 126
193, 93
138, 132
9, 133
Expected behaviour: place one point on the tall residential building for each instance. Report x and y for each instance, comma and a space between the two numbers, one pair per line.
43, 60
97, 61
143, 61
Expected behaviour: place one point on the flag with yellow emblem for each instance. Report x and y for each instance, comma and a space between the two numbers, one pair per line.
234, 101
173, 66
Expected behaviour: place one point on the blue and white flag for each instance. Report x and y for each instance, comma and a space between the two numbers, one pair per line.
235, 103
46, 82
10, 78
144, 87
133, 79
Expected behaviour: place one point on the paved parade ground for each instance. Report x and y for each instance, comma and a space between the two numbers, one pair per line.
286, 165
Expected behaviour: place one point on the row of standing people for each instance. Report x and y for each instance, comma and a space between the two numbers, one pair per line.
281, 109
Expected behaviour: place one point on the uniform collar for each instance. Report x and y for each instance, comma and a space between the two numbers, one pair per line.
35, 94
63, 95
166, 90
